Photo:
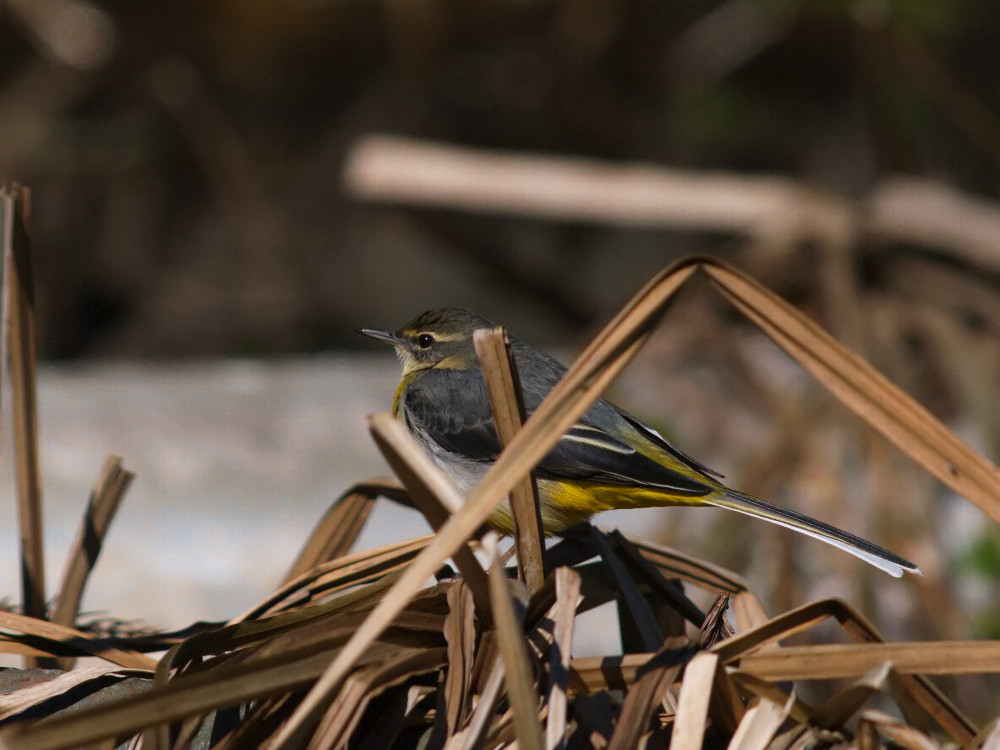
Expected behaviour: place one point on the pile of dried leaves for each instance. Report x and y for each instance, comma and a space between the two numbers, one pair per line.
435, 643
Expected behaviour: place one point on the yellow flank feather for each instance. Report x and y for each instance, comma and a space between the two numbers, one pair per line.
566, 503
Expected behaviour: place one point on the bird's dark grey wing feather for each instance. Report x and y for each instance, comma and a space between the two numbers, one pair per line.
466, 426
587, 452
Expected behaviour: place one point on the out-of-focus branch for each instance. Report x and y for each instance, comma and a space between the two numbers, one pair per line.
398, 170
77, 33
929, 213
922, 212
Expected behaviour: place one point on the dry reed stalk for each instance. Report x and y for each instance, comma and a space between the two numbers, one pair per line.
19, 305
503, 387
101, 509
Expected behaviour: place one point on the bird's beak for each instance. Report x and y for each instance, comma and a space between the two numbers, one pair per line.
386, 337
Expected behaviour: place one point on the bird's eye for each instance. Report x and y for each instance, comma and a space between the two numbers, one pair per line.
424, 340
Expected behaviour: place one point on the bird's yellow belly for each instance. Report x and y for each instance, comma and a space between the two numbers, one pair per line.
565, 504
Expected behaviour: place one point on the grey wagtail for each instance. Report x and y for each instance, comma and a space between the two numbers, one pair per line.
609, 459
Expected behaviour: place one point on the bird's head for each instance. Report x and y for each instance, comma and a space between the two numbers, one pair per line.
437, 338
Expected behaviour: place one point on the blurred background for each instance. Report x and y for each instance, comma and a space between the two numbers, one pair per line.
213, 215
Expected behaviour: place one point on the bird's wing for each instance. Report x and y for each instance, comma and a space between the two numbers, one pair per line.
452, 409
655, 437
587, 452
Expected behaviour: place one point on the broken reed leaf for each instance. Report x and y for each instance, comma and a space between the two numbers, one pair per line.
365, 684
460, 634
753, 686
988, 738
471, 734
748, 613
693, 705
643, 698
689, 568
340, 526
786, 625
715, 628
518, 674
761, 723
260, 723
668, 594
727, 707
12, 645
503, 388
809, 615
19, 306
104, 501
13, 704
883, 679
196, 694
388, 712
568, 597
432, 492
639, 629
242, 634
43, 631
593, 674
842, 660
898, 733
864, 390
411, 630
344, 571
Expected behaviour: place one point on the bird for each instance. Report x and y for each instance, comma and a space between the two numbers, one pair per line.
608, 459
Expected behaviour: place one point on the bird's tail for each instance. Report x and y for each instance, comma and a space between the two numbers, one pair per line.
871, 553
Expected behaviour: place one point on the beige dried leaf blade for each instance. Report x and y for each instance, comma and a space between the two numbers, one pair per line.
470, 735
262, 674
349, 570
899, 733
640, 630
432, 492
884, 678
104, 501
864, 390
761, 722
176, 701
747, 611
809, 615
19, 327
518, 675
60, 635
840, 660
666, 594
504, 391
340, 526
338, 618
460, 635
677, 564
21, 700
751, 685
567, 582
364, 684
644, 696
693, 705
